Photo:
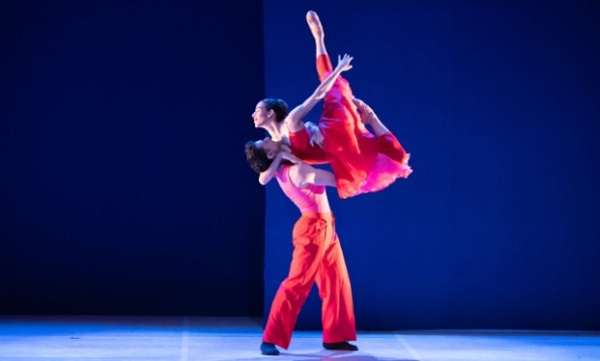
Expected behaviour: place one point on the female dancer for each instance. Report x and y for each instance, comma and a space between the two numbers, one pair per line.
361, 161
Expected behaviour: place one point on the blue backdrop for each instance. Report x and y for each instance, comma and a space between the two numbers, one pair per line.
497, 101
124, 185
125, 190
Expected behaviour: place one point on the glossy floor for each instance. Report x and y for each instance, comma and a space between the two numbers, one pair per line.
207, 339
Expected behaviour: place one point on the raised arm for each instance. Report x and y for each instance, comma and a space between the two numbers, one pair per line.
266, 176
294, 118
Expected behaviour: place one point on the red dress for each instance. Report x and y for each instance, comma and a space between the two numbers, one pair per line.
361, 162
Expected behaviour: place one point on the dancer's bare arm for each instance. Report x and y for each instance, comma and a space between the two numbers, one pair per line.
266, 176
285, 154
294, 118
304, 175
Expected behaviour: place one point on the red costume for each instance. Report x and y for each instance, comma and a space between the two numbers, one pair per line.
361, 162
317, 257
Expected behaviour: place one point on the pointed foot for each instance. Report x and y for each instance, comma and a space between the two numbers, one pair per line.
314, 23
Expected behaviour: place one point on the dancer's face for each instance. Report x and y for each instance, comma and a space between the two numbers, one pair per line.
270, 147
261, 115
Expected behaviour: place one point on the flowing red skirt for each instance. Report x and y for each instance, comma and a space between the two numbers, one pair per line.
361, 161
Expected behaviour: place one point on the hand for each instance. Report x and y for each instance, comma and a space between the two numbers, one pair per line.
316, 135
344, 62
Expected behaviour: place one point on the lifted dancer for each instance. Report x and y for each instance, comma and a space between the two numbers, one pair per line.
361, 161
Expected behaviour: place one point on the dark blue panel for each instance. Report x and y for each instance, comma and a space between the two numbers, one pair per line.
124, 186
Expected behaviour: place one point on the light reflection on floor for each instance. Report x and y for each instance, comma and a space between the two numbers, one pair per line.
206, 339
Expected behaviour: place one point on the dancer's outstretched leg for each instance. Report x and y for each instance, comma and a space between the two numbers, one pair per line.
340, 123
360, 161
316, 28
324, 66
301, 140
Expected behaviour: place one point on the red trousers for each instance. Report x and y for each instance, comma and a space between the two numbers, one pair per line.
317, 257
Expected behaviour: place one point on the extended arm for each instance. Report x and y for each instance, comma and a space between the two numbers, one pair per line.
294, 118
305, 175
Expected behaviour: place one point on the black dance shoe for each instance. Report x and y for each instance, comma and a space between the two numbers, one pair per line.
269, 349
340, 346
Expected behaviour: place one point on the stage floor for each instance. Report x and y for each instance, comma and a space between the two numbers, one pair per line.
207, 339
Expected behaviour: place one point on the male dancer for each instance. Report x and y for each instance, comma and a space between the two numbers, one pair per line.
317, 255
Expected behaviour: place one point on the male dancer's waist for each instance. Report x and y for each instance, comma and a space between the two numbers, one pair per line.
318, 215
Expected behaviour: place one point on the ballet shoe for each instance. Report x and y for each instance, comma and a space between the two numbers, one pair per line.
314, 23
